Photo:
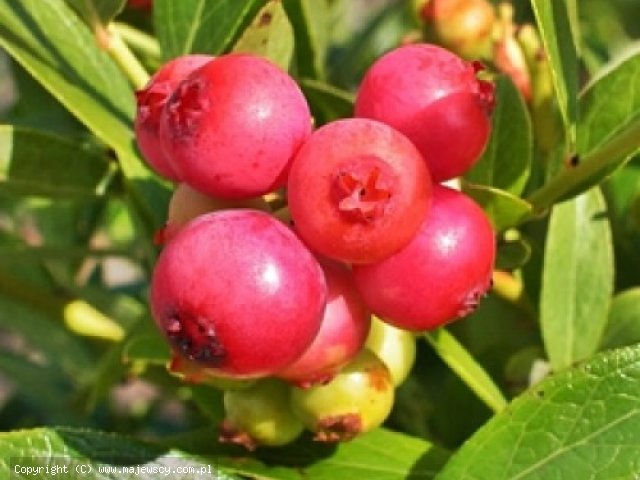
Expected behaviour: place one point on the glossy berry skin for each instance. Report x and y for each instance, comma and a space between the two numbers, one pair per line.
237, 292
232, 128
356, 401
150, 102
394, 346
259, 415
434, 98
342, 334
358, 191
443, 272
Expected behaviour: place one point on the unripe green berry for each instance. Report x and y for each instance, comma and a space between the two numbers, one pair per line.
187, 203
394, 346
259, 415
356, 401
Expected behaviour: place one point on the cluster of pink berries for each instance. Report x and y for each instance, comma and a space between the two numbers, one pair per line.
280, 312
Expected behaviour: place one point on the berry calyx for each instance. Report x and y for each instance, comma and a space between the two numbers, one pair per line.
274, 311
361, 195
150, 103
185, 114
357, 191
441, 275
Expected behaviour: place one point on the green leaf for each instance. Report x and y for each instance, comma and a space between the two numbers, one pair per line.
506, 162
38, 163
123, 308
383, 30
97, 12
557, 36
503, 208
69, 64
200, 26
466, 367
37, 109
609, 128
44, 391
327, 102
67, 61
84, 452
270, 35
608, 131
623, 327
46, 371
113, 364
210, 401
381, 454
310, 20
574, 23
150, 348
622, 193
64, 253
59, 349
609, 105
578, 424
577, 279
108, 371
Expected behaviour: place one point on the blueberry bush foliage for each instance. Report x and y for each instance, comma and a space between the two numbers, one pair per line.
542, 381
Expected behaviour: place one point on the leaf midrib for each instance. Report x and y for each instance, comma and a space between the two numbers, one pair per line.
195, 26
571, 313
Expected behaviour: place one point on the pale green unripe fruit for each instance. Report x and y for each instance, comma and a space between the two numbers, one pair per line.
259, 415
356, 401
187, 203
394, 346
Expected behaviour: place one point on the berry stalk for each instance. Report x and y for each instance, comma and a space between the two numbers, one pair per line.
572, 178
115, 46
138, 40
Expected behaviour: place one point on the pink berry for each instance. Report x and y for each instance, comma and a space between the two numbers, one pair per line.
358, 191
232, 127
237, 292
443, 272
434, 98
151, 100
342, 334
